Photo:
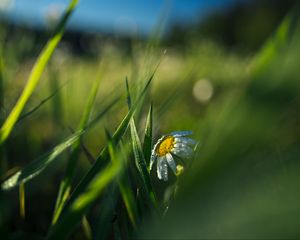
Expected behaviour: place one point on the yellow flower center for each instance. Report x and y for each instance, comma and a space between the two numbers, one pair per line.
166, 145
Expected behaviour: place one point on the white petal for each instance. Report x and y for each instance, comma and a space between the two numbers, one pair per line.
152, 159
181, 133
185, 152
171, 162
159, 167
164, 169
185, 140
180, 145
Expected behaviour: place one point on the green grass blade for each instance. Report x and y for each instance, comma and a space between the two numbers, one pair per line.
141, 164
104, 155
37, 166
73, 214
137, 148
65, 186
36, 74
147, 146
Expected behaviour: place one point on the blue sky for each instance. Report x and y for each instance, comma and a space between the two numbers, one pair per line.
113, 15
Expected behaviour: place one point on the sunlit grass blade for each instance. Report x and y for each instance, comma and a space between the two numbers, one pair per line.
103, 158
73, 214
38, 165
141, 164
36, 74
65, 186
147, 145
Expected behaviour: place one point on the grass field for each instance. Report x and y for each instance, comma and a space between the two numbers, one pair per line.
77, 134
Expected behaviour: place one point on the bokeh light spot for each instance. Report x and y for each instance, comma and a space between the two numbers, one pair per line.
203, 90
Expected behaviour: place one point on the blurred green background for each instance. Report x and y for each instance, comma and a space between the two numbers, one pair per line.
233, 78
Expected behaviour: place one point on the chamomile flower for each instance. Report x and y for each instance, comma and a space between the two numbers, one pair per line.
168, 146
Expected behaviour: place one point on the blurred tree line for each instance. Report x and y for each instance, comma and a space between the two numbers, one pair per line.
244, 26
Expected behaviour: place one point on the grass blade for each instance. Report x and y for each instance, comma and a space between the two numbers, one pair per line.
37, 166
36, 74
65, 185
147, 146
141, 164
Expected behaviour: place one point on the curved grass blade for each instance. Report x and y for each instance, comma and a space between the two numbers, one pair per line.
65, 185
137, 148
141, 164
147, 146
36, 73
37, 166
